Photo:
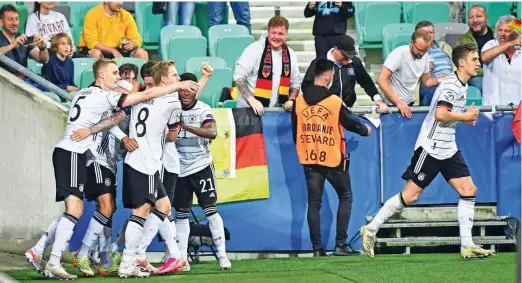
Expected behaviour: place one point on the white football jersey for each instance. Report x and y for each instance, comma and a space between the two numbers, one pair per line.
147, 126
88, 108
436, 137
194, 152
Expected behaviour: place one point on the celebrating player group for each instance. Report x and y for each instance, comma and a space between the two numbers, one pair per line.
166, 160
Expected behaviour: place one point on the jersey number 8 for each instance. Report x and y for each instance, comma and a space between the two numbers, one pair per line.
141, 122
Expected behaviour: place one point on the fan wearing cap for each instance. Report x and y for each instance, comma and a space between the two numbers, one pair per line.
349, 70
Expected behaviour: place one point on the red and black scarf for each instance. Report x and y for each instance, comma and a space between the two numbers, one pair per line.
263, 90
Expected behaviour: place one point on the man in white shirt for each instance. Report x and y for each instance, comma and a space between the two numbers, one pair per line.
436, 151
401, 72
267, 73
502, 66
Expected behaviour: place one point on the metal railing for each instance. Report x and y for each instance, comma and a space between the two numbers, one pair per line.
35, 77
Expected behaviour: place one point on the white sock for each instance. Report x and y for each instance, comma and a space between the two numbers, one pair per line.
390, 207
150, 229
105, 256
120, 238
95, 229
64, 231
182, 232
48, 237
218, 233
465, 215
133, 234
168, 232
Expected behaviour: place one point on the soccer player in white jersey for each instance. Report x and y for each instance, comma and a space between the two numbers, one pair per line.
142, 186
69, 160
198, 128
436, 151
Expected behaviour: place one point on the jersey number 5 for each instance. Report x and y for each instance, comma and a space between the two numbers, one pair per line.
141, 122
78, 109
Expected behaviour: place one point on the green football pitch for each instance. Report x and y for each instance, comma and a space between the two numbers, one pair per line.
384, 268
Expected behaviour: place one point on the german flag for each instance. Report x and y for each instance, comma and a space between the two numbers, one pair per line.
516, 25
515, 125
251, 172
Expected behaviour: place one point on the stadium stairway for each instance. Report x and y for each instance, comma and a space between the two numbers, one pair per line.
421, 227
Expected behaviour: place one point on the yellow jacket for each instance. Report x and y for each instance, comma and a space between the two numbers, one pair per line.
109, 31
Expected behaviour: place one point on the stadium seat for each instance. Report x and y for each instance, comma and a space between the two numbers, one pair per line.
136, 61
77, 10
212, 91
169, 32
518, 9
442, 29
474, 95
34, 66
371, 17
231, 47
149, 25
81, 65
435, 12
229, 104
217, 31
53, 95
87, 78
181, 49
451, 39
394, 35
495, 10
67, 104
64, 10
193, 64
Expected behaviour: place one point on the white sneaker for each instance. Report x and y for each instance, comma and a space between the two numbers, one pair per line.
224, 263
57, 271
186, 267
131, 270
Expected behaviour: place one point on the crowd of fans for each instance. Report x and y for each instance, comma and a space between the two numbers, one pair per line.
273, 79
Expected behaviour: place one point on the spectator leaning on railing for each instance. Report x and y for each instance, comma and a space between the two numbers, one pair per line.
479, 33
267, 73
19, 46
47, 23
502, 64
111, 32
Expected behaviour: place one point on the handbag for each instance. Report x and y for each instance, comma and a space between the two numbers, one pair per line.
159, 8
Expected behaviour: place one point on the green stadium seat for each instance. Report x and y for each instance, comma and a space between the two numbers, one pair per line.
81, 65
169, 32
201, 17
54, 96
67, 104
518, 9
78, 11
194, 63
136, 61
211, 93
495, 10
230, 48
217, 31
229, 104
87, 78
181, 49
474, 95
34, 66
23, 14
149, 25
435, 12
394, 35
371, 17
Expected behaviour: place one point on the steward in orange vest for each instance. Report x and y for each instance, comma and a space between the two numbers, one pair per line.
318, 122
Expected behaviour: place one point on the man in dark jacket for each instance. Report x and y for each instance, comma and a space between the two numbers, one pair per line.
330, 22
318, 122
349, 70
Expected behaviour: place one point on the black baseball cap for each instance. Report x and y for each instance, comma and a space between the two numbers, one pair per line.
346, 44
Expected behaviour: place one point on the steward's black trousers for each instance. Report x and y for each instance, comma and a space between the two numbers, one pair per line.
340, 181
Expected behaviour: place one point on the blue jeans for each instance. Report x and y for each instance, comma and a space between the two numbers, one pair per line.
476, 82
426, 95
178, 13
216, 13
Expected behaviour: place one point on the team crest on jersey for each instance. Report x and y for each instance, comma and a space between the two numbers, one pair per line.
421, 176
107, 182
192, 118
80, 188
351, 71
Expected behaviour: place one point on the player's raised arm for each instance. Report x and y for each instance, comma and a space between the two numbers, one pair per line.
208, 129
158, 91
104, 124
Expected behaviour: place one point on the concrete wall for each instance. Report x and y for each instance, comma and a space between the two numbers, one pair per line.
30, 126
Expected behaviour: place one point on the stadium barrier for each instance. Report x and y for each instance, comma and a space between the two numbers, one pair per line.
279, 222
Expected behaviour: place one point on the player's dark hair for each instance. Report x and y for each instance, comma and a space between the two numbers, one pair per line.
188, 77
322, 66
7, 8
461, 51
423, 24
146, 69
127, 68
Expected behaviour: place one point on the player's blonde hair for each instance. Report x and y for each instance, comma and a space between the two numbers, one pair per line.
100, 64
161, 69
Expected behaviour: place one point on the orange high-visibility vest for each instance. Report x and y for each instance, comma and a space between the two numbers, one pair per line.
320, 136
